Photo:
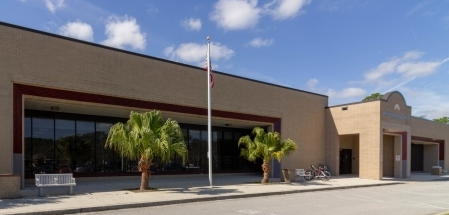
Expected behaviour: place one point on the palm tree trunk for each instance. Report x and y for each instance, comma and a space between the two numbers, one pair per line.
144, 166
266, 171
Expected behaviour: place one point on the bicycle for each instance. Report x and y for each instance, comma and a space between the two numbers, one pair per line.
319, 172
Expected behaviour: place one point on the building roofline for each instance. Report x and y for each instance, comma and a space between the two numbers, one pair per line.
429, 120
384, 98
352, 103
147, 56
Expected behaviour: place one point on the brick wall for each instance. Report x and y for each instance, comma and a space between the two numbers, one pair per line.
37, 59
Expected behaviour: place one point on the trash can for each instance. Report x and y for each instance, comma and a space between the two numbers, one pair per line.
285, 176
436, 170
288, 175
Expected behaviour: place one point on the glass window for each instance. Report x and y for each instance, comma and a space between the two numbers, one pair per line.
28, 151
204, 148
105, 157
216, 157
65, 145
227, 151
238, 160
194, 150
43, 145
85, 147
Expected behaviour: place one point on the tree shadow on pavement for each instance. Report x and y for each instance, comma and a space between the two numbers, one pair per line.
204, 191
29, 201
309, 183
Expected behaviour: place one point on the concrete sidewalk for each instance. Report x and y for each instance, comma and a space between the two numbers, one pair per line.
110, 195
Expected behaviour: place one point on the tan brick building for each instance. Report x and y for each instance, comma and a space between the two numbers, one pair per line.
60, 96
380, 138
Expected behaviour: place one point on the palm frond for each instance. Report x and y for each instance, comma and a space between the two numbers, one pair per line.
146, 136
265, 145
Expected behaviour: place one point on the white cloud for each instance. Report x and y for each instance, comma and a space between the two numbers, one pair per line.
78, 30
53, 5
191, 24
390, 66
124, 31
259, 42
381, 70
312, 83
427, 102
196, 53
22, 0
284, 9
413, 69
399, 85
346, 93
236, 14
169, 50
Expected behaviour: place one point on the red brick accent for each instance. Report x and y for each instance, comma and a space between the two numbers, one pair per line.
277, 126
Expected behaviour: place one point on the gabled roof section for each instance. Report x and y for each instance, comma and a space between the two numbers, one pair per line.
147, 56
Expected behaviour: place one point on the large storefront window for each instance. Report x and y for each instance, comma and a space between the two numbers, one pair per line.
74, 143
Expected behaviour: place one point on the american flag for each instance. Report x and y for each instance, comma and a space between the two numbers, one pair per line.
211, 76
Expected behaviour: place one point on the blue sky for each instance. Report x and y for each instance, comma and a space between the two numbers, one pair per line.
346, 49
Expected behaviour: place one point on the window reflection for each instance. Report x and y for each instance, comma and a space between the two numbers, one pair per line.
204, 148
194, 149
105, 157
67, 144
43, 145
85, 147
28, 150
227, 151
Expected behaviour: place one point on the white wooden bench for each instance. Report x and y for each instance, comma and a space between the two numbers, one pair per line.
300, 173
55, 180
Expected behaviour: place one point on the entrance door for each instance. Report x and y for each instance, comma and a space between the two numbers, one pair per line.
417, 157
345, 161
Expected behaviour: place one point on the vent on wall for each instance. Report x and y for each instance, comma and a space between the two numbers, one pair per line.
344, 108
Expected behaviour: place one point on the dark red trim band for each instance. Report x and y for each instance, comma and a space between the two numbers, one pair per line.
20, 89
277, 126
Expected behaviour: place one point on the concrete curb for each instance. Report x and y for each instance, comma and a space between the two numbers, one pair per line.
183, 201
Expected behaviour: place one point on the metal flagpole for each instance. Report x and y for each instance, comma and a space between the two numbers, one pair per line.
209, 130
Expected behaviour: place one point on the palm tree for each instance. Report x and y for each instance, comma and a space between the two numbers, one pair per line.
265, 146
146, 136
